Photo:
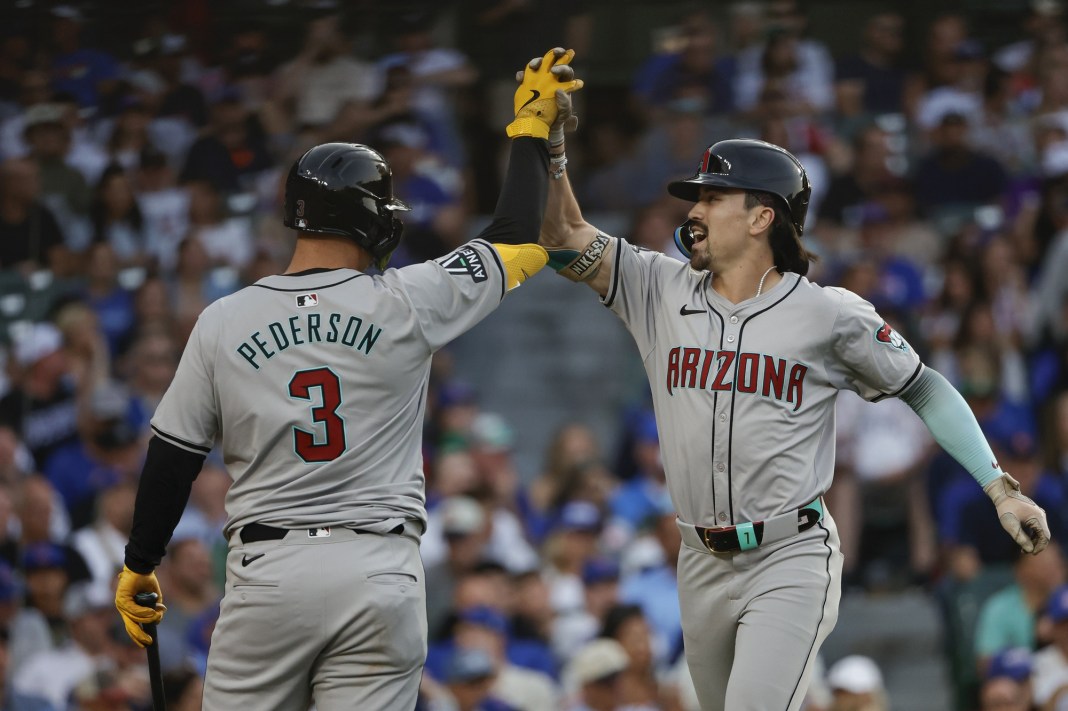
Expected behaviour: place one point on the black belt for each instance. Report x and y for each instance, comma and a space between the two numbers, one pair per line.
255, 532
726, 538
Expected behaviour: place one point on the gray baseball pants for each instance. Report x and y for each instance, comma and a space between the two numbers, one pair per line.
753, 621
338, 619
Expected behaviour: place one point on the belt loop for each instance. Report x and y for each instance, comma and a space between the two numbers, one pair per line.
747, 539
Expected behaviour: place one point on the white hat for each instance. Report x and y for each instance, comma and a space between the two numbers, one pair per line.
597, 660
462, 515
35, 342
856, 674
947, 101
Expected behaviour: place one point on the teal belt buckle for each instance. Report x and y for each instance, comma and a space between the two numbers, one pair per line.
747, 539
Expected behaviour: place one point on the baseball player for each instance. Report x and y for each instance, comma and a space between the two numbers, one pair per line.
314, 384
745, 357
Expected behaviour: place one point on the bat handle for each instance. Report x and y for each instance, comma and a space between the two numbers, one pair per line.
148, 599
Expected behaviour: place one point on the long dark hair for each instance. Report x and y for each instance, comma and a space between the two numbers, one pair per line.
98, 211
786, 247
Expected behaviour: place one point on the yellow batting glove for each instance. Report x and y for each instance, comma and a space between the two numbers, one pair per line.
521, 261
535, 99
134, 615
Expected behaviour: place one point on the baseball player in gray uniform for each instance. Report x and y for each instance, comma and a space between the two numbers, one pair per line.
314, 384
745, 357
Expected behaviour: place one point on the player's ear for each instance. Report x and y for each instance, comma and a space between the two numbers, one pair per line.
761, 217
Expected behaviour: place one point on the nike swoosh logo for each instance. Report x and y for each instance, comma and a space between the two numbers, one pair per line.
536, 95
689, 312
248, 559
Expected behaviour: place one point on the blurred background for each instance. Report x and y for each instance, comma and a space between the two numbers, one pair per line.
143, 152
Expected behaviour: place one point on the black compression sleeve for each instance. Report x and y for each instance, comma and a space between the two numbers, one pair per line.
521, 204
161, 497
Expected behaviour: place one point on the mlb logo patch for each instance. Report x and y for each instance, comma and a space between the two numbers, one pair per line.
306, 300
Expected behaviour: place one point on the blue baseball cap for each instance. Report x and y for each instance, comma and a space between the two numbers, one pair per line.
9, 586
580, 516
1014, 663
469, 665
600, 570
645, 428
38, 556
1057, 607
484, 616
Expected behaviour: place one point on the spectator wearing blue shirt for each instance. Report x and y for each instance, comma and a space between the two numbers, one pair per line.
871, 80
638, 498
694, 68
953, 175
89, 74
655, 588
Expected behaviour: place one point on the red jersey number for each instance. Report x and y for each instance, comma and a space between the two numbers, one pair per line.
329, 386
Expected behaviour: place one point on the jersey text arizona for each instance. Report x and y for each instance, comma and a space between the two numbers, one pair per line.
728, 370
309, 328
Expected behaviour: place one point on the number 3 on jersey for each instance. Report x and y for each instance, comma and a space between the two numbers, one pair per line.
330, 392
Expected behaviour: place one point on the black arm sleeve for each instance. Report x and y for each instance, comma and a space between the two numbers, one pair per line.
521, 204
161, 497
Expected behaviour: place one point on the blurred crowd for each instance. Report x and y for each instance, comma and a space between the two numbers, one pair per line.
142, 157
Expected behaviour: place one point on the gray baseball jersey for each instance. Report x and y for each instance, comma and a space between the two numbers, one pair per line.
744, 393
316, 384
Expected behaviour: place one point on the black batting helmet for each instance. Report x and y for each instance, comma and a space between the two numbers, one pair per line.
748, 164
345, 189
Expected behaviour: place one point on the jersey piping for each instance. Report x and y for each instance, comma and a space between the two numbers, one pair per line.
706, 282
615, 277
500, 265
823, 611
305, 288
730, 431
903, 388
179, 442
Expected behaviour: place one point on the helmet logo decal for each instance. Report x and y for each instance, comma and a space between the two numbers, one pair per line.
464, 262
300, 208
719, 165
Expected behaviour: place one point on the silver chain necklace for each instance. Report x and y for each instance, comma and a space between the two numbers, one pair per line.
760, 286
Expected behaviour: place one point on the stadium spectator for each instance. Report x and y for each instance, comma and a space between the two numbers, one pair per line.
871, 81
1050, 676
953, 175
231, 151
1009, 618
30, 237
695, 69
638, 685
116, 216
55, 673
10, 699
593, 677
91, 75
857, 685
42, 408
191, 593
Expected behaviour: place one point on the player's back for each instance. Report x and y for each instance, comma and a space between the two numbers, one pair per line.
319, 382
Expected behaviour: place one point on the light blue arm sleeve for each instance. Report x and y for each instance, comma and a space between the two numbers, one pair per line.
952, 424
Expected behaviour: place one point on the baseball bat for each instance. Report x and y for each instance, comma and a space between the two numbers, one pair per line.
155, 676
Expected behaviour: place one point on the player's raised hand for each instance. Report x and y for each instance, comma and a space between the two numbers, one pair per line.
1024, 520
133, 614
536, 102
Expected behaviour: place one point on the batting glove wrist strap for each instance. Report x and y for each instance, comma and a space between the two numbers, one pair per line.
1021, 517
579, 266
134, 615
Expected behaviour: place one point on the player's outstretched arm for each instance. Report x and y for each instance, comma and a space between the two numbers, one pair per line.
955, 428
521, 204
577, 249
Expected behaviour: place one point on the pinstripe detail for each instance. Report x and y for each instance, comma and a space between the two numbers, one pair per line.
179, 442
